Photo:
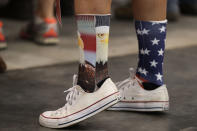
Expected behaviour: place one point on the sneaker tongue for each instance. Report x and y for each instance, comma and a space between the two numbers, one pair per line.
75, 78
79, 88
136, 77
131, 72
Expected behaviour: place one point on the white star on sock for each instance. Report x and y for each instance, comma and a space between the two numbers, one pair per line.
144, 72
142, 52
155, 41
160, 52
153, 63
162, 29
145, 31
139, 32
159, 76
140, 69
146, 51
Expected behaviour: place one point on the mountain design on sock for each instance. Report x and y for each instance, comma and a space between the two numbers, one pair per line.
87, 73
151, 42
93, 37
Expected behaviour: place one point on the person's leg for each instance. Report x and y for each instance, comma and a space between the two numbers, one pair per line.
83, 99
45, 8
145, 91
93, 7
173, 10
149, 10
93, 34
43, 28
151, 38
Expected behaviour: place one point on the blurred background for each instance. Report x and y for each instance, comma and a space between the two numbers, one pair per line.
20, 54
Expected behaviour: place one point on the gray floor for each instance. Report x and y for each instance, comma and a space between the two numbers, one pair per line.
26, 93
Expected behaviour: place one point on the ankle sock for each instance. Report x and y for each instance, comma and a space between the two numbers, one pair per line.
151, 42
93, 36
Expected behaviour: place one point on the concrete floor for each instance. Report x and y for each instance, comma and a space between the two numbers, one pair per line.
26, 93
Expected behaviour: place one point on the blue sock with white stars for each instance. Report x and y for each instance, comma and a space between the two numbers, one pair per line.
151, 40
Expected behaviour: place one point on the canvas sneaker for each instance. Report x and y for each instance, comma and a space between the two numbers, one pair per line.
3, 43
135, 98
81, 105
42, 31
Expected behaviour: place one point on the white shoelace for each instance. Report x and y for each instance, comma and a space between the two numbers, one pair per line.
70, 97
127, 83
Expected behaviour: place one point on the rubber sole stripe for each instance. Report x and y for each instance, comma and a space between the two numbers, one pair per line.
89, 113
138, 107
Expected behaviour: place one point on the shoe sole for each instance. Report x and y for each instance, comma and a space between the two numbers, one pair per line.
3, 45
42, 41
85, 113
47, 41
149, 106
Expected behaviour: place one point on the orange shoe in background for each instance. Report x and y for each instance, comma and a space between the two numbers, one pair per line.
42, 31
3, 43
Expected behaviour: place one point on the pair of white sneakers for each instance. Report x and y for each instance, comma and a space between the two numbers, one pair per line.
127, 95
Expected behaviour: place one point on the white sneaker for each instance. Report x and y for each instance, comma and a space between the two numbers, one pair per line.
135, 98
81, 105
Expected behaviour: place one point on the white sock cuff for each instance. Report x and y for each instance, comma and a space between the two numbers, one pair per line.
162, 21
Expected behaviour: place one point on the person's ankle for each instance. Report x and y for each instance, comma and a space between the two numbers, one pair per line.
49, 20
44, 16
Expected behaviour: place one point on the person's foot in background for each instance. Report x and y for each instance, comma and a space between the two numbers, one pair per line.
43, 29
188, 6
173, 11
3, 43
2, 65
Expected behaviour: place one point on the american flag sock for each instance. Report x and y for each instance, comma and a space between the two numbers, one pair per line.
93, 36
151, 42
